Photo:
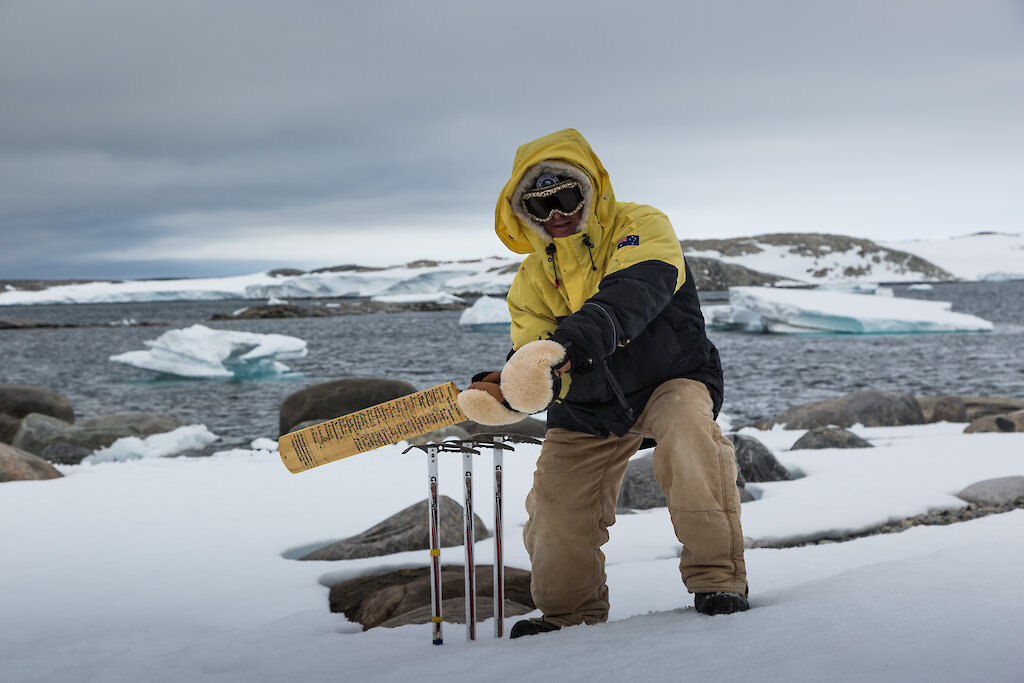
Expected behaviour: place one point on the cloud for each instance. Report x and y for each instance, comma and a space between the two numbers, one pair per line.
128, 126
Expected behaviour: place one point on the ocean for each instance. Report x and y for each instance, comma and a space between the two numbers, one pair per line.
764, 374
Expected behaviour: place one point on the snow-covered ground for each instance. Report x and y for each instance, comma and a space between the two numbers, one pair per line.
171, 569
414, 282
984, 256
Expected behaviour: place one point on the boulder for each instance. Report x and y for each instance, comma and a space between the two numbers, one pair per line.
438, 435
1006, 422
17, 465
328, 400
870, 408
67, 444
981, 406
829, 437
755, 461
405, 530
528, 426
999, 491
17, 401
943, 408
640, 490
403, 596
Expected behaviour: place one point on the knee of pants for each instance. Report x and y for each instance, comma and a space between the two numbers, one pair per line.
696, 469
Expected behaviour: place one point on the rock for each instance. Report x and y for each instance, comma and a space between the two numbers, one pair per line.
400, 597
1007, 422
529, 426
755, 461
17, 465
870, 408
943, 408
829, 437
999, 491
640, 490
981, 406
453, 431
453, 611
405, 530
328, 400
18, 400
68, 444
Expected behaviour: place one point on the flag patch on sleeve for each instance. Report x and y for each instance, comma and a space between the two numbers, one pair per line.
629, 241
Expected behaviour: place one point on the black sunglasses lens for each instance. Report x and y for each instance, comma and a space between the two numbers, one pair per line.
566, 200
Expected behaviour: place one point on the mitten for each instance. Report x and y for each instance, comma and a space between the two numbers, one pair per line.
528, 381
483, 402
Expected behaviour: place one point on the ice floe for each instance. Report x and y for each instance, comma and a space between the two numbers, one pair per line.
199, 352
818, 311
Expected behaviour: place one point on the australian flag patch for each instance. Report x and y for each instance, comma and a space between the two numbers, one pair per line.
629, 241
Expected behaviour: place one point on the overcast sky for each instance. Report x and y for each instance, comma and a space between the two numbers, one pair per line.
146, 139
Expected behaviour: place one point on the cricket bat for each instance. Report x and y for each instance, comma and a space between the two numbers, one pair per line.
380, 425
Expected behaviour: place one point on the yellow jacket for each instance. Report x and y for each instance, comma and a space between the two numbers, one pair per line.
616, 293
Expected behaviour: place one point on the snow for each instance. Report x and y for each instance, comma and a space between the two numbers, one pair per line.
489, 276
199, 352
426, 298
173, 569
982, 256
802, 311
187, 438
974, 257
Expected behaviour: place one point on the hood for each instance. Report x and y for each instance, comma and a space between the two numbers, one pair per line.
565, 153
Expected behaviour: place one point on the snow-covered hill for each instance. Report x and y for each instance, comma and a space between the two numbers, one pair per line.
716, 264
982, 256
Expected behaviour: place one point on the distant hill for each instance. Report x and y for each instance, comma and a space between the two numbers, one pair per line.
814, 258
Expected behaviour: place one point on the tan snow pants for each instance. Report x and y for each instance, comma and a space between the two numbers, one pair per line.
576, 485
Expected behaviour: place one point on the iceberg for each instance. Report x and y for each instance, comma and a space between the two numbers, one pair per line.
199, 352
816, 311
487, 314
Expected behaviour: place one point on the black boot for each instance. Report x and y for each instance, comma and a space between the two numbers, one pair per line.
720, 603
531, 627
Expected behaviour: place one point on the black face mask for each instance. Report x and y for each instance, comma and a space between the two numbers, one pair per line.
566, 198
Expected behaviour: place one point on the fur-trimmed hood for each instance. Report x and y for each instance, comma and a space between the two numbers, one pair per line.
566, 154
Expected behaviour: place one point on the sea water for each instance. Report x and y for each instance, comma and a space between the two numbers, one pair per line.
765, 374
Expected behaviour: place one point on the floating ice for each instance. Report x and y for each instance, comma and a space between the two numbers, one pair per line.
440, 298
487, 314
203, 353
803, 311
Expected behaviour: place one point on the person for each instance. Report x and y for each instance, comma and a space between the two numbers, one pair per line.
608, 337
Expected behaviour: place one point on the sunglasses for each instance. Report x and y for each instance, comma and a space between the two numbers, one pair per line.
566, 198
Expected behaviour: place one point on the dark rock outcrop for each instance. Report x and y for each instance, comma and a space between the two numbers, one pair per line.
1005, 422
403, 596
64, 443
17, 465
829, 437
328, 400
18, 400
405, 530
982, 406
943, 408
755, 461
870, 408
